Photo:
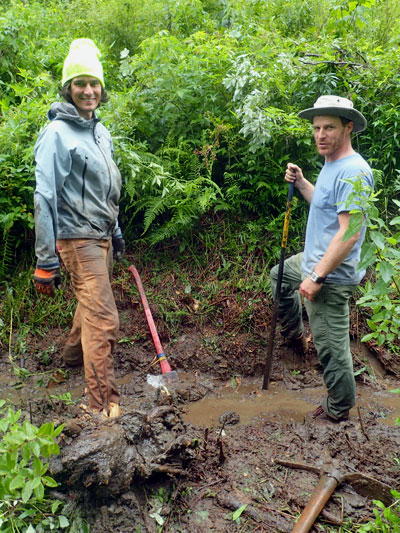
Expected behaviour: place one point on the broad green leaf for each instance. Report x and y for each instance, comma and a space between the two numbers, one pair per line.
355, 225
239, 512
30, 430
368, 337
38, 467
34, 446
35, 482
367, 256
55, 505
4, 424
26, 453
17, 483
27, 492
378, 239
39, 491
49, 481
46, 429
58, 430
63, 521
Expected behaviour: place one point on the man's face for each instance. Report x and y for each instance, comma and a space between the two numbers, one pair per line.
331, 137
86, 95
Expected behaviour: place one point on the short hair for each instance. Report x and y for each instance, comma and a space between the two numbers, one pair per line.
65, 92
345, 121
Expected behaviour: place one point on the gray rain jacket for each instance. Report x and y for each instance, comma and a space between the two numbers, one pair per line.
77, 183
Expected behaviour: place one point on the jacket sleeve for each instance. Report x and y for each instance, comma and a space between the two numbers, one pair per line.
53, 164
117, 232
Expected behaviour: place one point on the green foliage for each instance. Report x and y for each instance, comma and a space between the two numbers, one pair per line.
23, 480
66, 398
23, 313
387, 519
381, 253
204, 102
238, 513
350, 14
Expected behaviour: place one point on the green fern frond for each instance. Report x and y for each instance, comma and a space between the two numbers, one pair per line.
154, 207
180, 222
6, 253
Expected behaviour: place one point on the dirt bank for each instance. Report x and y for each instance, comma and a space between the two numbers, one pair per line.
212, 452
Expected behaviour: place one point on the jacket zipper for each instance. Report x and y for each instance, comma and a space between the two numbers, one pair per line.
105, 159
84, 182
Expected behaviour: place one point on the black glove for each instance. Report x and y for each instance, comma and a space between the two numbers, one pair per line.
118, 245
46, 281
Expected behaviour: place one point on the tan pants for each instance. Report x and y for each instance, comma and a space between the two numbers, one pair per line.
95, 327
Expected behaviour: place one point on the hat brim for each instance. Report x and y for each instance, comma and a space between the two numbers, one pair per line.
75, 75
359, 121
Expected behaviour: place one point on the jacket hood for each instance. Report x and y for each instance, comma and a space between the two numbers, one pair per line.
67, 111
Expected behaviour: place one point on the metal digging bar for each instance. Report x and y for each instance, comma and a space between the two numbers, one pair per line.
168, 373
268, 362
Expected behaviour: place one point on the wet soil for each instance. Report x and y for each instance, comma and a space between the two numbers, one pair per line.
212, 452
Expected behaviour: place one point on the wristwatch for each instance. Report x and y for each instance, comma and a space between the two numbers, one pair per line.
315, 278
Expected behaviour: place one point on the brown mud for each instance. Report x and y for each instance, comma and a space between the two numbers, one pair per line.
186, 457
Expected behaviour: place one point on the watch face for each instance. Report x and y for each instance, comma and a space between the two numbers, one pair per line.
316, 279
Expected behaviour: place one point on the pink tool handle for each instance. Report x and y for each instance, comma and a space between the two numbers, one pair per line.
147, 311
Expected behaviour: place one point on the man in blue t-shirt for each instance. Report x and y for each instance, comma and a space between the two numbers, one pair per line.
326, 274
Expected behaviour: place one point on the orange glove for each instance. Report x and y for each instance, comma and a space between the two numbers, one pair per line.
47, 280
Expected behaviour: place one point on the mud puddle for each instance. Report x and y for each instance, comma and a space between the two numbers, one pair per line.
279, 404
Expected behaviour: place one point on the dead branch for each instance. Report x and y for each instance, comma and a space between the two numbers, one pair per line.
361, 423
335, 63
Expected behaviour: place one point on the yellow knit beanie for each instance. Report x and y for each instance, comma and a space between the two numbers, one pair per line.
82, 60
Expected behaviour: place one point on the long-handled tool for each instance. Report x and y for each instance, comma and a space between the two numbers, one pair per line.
329, 480
167, 372
268, 362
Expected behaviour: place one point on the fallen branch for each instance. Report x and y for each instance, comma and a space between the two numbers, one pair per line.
361, 423
335, 63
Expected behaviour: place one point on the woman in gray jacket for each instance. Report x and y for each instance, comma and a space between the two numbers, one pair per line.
76, 217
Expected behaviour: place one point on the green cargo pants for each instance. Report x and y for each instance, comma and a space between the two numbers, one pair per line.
329, 322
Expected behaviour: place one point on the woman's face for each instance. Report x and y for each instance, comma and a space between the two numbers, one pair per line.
86, 95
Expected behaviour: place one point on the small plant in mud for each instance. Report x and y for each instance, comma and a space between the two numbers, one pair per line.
387, 519
160, 503
238, 513
23, 479
65, 398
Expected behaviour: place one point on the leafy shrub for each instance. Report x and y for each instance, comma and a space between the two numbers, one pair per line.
23, 475
387, 519
207, 91
381, 252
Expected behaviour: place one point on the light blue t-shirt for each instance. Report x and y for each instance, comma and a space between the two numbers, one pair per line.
327, 202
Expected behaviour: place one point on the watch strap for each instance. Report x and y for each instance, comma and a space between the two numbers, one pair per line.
315, 278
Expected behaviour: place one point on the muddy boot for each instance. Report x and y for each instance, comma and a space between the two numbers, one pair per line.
300, 344
321, 415
72, 355
114, 411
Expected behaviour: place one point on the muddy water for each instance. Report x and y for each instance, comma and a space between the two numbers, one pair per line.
280, 404
249, 401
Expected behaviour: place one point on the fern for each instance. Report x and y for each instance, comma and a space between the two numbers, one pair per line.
154, 207
7, 247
